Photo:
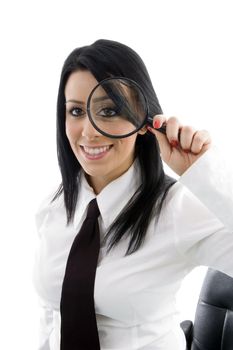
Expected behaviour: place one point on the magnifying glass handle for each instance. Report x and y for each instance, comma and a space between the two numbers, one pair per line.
162, 129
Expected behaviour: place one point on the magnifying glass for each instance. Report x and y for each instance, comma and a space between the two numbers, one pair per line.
118, 108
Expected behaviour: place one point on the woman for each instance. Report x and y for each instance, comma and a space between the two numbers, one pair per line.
153, 230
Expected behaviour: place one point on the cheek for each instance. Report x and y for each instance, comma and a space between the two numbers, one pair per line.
127, 146
71, 131
130, 143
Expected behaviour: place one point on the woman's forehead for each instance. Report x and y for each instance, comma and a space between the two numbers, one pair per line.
79, 84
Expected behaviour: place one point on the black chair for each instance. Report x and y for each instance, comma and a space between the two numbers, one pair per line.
213, 324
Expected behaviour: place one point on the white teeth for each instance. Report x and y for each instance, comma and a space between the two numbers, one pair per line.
96, 150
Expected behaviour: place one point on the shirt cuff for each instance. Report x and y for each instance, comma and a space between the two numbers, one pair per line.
210, 179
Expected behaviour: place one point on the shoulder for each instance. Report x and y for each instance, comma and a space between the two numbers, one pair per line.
48, 204
181, 202
190, 219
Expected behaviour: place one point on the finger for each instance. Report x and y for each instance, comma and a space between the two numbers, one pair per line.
200, 139
172, 129
186, 138
159, 120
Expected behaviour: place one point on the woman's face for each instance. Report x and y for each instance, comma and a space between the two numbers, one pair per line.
102, 158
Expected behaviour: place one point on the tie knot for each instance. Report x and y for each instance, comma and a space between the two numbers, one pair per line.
93, 209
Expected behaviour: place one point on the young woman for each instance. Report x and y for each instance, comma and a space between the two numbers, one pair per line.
153, 230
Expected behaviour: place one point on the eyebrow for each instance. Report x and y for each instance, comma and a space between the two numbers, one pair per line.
96, 99
101, 98
75, 101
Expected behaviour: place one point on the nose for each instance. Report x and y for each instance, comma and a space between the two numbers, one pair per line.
88, 129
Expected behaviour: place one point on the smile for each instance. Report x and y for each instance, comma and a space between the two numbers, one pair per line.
95, 152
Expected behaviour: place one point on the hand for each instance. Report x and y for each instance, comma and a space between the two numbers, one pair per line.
182, 145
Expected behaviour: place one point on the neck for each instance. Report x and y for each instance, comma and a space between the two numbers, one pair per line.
98, 183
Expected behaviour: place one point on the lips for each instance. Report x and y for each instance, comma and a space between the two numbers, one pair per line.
95, 152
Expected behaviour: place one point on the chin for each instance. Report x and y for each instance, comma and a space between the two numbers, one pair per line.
94, 172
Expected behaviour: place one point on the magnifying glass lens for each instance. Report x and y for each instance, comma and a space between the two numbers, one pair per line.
117, 107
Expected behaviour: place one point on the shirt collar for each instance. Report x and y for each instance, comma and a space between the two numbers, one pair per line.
112, 198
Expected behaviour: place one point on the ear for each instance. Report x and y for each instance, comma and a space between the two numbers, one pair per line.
142, 131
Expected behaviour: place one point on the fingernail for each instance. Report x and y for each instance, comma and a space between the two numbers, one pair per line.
156, 124
174, 143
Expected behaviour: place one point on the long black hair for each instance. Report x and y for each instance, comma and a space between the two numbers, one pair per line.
105, 58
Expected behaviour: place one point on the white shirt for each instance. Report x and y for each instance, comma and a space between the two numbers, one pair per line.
135, 295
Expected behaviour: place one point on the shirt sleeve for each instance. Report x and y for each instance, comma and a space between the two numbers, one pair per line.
45, 323
203, 211
211, 180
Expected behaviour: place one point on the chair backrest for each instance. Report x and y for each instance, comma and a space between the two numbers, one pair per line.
213, 324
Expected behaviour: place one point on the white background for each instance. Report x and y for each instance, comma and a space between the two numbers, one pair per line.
187, 47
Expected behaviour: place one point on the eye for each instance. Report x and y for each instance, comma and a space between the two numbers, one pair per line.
76, 112
108, 112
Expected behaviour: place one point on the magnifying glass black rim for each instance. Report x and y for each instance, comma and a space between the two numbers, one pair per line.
144, 122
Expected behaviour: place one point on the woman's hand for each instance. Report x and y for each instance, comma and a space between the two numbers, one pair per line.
182, 145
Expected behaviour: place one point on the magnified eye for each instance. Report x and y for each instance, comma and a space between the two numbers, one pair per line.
108, 112
77, 112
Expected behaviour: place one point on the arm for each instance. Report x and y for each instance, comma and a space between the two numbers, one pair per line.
208, 237
45, 324
200, 237
211, 180
202, 167
203, 207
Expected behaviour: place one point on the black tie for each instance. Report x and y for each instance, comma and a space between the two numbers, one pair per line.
78, 320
